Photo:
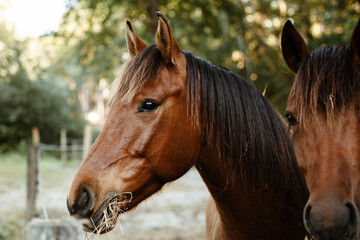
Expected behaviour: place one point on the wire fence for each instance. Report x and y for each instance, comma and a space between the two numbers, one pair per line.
52, 147
76, 152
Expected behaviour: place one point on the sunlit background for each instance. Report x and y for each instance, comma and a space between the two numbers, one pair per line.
33, 18
58, 59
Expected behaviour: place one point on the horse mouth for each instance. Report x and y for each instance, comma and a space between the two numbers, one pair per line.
105, 219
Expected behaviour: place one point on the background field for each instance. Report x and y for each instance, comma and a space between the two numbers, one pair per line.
177, 212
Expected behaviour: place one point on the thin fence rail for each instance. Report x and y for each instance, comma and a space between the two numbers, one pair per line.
52, 147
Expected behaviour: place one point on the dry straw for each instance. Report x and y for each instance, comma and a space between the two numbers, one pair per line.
110, 215
309, 237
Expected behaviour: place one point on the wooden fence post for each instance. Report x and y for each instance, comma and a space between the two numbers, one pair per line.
63, 145
32, 183
32, 175
87, 140
35, 136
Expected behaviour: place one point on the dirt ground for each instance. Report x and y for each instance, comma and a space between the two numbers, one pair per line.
177, 212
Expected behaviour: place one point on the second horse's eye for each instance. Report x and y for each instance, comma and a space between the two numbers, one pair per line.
148, 106
291, 119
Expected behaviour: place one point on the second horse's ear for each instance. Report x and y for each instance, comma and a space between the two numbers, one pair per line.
293, 47
355, 42
134, 43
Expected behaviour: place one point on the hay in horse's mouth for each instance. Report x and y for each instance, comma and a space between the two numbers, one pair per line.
309, 237
105, 219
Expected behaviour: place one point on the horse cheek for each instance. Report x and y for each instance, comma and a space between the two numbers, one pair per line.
177, 147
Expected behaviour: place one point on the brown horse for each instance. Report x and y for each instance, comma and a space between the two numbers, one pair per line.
324, 115
172, 111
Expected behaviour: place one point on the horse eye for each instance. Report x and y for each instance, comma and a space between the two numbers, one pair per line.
291, 119
148, 106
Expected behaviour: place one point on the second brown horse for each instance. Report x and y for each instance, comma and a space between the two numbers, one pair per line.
324, 115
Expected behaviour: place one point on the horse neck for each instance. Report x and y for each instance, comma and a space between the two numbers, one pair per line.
242, 210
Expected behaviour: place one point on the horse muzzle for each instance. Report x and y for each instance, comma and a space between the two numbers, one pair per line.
105, 218
338, 221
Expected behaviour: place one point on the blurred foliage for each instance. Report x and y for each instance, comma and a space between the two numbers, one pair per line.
25, 103
241, 35
42, 103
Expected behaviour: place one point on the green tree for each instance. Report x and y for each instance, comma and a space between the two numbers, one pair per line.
241, 35
25, 103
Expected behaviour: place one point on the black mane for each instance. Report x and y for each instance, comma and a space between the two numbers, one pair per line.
249, 134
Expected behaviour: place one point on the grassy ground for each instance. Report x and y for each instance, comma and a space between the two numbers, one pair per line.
12, 169
55, 178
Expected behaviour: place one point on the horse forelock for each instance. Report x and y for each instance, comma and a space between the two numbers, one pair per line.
136, 73
327, 82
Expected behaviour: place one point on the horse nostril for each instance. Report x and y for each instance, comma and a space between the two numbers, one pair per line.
353, 215
83, 203
83, 199
307, 216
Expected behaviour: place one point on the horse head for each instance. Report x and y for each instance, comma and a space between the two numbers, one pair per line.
148, 138
324, 117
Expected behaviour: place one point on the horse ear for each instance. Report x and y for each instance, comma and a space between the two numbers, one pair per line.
355, 42
134, 43
293, 46
165, 40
